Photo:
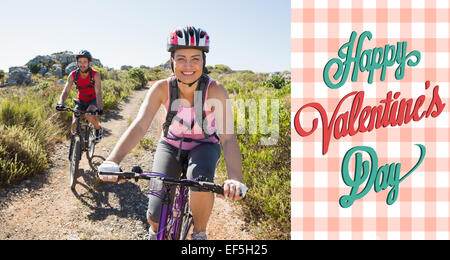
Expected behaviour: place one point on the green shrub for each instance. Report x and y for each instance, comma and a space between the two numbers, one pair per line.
156, 73
2, 76
19, 110
266, 169
209, 69
114, 74
21, 154
222, 69
40, 87
115, 91
103, 72
28, 112
138, 76
35, 68
277, 81
147, 144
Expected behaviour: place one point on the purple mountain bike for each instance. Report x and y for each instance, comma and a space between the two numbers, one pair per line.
176, 219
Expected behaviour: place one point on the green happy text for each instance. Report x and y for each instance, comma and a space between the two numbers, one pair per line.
368, 60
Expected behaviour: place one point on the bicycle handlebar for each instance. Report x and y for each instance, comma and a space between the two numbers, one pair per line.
207, 186
78, 111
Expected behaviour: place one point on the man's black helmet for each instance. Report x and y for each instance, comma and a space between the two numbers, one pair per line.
85, 54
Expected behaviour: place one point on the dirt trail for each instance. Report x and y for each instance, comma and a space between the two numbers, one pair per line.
44, 207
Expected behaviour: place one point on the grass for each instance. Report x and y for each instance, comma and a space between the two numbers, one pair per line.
114, 92
130, 121
29, 112
144, 145
29, 129
28, 132
266, 169
21, 154
147, 144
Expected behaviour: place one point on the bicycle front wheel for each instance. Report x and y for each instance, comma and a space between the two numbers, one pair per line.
91, 143
186, 223
75, 161
186, 219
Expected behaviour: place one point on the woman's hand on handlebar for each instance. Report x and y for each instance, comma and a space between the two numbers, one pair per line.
234, 190
108, 166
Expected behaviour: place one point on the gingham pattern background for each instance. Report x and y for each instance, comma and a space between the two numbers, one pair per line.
318, 30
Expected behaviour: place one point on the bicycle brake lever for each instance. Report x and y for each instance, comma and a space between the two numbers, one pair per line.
137, 169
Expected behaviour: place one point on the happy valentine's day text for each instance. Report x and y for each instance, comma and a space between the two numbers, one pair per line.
390, 112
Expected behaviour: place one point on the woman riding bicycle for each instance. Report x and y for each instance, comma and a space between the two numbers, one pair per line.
194, 131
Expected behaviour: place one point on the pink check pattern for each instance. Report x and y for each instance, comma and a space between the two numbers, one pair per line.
318, 30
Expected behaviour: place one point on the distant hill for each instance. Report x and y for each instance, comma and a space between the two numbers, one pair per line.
57, 64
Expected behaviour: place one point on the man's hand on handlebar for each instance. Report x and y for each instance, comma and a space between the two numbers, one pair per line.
60, 107
97, 112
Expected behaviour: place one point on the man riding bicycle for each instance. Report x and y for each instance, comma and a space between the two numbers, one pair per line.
190, 134
89, 85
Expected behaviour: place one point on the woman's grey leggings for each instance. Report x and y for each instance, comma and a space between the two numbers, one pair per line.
201, 161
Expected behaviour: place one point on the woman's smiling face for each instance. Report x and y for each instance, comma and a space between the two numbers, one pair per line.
188, 64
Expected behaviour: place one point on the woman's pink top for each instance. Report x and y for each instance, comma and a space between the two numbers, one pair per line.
188, 115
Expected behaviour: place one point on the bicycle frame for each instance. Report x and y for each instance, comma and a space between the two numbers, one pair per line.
84, 140
167, 211
80, 144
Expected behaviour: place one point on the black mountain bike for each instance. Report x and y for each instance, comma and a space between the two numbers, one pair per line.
83, 140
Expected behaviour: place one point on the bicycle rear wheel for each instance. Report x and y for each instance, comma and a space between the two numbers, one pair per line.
75, 161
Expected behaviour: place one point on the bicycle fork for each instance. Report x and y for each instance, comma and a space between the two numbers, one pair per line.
72, 139
176, 215
181, 204
162, 228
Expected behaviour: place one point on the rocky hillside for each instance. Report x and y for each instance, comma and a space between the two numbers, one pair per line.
57, 64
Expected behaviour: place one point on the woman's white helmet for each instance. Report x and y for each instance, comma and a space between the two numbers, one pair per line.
188, 37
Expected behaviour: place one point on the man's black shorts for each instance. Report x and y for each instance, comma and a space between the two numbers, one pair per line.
83, 105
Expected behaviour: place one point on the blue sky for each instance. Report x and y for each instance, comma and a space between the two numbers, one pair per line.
245, 34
